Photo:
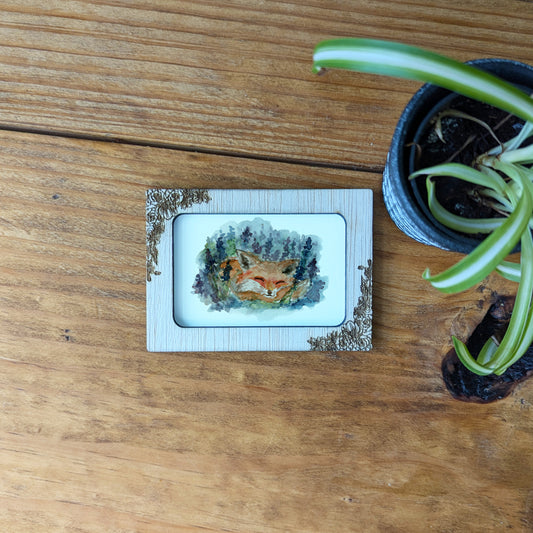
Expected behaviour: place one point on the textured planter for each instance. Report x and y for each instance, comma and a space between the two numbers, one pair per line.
402, 200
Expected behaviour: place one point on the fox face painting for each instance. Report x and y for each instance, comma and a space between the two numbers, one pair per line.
253, 266
252, 278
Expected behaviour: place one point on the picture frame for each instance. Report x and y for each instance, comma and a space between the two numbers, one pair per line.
259, 270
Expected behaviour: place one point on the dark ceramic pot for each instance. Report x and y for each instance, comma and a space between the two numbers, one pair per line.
402, 200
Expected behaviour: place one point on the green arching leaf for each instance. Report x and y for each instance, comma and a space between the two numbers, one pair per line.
509, 270
516, 172
515, 142
519, 335
489, 171
512, 346
489, 254
401, 60
525, 343
501, 205
487, 352
456, 222
468, 361
471, 175
520, 350
518, 155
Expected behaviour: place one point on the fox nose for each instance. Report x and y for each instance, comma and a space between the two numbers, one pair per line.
269, 292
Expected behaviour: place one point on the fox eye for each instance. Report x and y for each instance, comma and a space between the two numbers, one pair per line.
280, 282
259, 278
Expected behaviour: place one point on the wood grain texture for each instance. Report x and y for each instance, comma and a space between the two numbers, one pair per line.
97, 435
231, 76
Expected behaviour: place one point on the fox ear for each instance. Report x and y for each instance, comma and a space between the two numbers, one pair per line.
246, 259
290, 266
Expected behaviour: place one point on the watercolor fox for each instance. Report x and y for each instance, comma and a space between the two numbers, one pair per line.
252, 278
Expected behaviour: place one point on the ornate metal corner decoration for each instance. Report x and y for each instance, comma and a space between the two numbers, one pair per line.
356, 334
161, 206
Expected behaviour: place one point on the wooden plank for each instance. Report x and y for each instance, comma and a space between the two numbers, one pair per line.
231, 76
98, 435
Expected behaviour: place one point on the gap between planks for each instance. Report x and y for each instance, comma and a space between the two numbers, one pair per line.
189, 149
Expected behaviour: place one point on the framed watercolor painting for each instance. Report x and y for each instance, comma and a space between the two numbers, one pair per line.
280, 270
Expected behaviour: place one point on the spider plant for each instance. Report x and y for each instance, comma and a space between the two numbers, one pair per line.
503, 175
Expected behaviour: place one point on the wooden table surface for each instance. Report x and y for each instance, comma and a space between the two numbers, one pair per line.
101, 100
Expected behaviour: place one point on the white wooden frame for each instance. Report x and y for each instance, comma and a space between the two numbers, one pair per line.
164, 334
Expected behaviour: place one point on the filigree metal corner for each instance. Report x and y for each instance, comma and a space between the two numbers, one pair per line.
356, 333
161, 206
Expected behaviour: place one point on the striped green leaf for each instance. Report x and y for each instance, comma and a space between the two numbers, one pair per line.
489, 254
509, 270
401, 60
519, 333
490, 180
487, 352
456, 222
468, 361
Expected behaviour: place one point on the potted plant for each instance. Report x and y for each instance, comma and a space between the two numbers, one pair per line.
501, 176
